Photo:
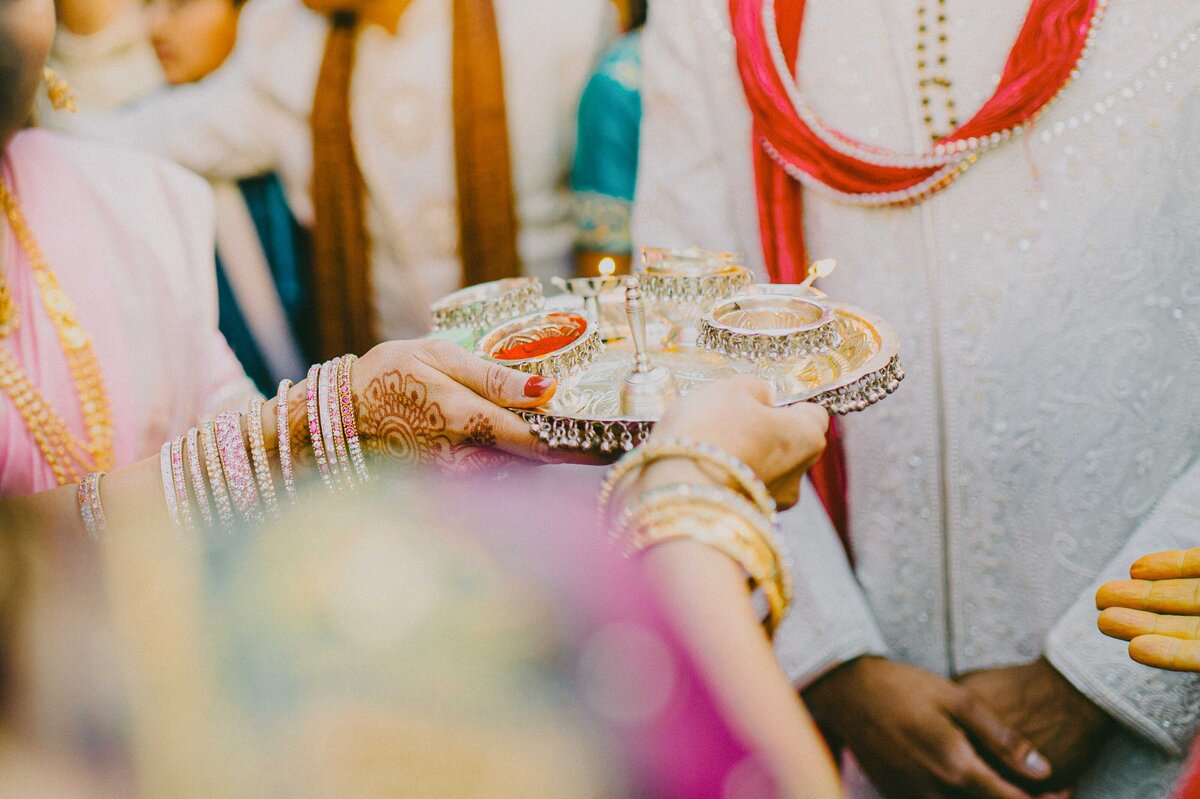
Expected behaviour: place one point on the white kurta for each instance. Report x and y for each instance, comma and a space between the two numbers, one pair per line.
251, 116
1048, 306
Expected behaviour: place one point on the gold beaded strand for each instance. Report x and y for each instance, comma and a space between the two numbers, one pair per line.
935, 76
68, 456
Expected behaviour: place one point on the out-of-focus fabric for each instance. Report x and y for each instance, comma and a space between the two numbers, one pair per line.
604, 176
130, 239
252, 116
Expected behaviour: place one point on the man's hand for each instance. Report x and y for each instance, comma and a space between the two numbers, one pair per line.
919, 735
1158, 611
1040, 705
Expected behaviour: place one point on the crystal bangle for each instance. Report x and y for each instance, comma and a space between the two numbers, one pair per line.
283, 438
168, 482
258, 455
216, 478
335, 445
91, 510
198, 487
314, 424
180, 483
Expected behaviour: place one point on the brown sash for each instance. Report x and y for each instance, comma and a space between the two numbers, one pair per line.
486, 199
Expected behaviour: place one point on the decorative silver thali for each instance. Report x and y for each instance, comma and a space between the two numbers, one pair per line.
594, 413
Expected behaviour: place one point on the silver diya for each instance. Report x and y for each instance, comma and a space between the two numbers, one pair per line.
683, 284
486, 304
770, 335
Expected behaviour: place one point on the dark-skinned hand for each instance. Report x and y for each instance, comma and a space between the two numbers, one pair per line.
1040, 705
918, 735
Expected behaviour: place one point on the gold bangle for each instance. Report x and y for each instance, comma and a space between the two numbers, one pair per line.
722, 518
744, 547
742, 475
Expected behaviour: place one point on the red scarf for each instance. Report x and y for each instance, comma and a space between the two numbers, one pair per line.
793, 147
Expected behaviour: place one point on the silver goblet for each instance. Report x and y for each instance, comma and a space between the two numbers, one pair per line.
770, 335
683, 284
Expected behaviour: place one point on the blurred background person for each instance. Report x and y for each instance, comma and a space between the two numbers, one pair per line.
263, 254
604, 175
413, 179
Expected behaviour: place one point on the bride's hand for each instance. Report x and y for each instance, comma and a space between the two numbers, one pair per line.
779, 444
433, 403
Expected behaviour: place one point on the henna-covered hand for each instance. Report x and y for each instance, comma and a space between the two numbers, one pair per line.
433, 403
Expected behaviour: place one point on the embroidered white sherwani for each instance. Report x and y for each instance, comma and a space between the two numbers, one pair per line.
251, 116
1048, 306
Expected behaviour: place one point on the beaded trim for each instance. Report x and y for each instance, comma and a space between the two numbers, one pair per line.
283, 438
258, 455
235, 460
945, 153
349, 424
91, 510
180, 483
168, 482
216, 478
201, 492
314, 424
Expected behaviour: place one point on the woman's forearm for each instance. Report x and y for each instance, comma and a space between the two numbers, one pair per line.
705, 594
134, 495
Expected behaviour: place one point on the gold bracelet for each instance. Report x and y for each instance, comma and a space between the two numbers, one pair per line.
741, 474
735, 521
721, 532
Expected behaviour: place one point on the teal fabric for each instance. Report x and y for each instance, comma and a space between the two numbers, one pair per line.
606, 156
285, 244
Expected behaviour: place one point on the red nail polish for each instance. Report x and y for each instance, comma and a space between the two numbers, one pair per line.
537, 386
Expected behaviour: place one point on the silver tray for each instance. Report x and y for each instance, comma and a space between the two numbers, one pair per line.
862, 371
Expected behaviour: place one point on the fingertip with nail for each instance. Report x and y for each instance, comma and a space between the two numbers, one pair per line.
1036, 765
538, 386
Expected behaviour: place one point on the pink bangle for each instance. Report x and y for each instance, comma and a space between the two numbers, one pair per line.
283, 438
329, 403
181, 492
349, 424
314, 424
235, 461
193, 451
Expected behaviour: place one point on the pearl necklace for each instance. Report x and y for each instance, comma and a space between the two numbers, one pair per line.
67, 455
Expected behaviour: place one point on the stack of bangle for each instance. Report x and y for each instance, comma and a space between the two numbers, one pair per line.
741, 524
222, 470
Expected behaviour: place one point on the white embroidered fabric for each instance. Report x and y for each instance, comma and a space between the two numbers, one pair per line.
1048, 306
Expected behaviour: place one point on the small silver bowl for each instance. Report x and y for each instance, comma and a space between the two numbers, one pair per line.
683, 284
557, 344
770, 335
487, 304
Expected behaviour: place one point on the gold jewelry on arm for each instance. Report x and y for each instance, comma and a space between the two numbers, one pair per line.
739, 473
91, 510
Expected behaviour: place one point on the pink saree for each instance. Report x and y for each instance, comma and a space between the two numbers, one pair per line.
130, 239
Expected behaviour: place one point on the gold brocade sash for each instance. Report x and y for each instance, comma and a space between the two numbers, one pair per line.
486, 199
